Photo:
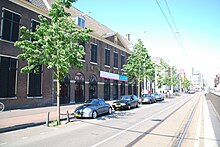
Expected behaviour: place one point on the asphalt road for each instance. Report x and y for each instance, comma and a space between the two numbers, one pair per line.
158, 124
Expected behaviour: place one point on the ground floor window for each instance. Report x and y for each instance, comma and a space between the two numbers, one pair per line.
79, 87
93, 88
65, 91
107, 89
129, 89
34, 83
122, 88
115, 90
8, 73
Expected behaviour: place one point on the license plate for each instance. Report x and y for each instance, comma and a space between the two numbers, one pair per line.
118, 106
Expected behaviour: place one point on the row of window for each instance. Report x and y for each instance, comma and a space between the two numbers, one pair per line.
8, 74
10, 31
8, 66
108, 57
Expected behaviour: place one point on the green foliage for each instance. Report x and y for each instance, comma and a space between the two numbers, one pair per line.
166, 75
161, 73
139, 63
186, 83
54, 44
171, 78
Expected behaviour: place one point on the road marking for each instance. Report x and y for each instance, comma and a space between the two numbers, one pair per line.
119, 133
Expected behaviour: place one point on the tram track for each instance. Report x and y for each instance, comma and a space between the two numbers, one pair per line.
161, 121
183, 131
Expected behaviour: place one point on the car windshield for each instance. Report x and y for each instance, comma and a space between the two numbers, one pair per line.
125, 97
91, 101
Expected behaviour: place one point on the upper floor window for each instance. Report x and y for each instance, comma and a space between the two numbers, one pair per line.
34, 25
10, 25
116, 59
34, 88
107, 57
80, 21
122, 61
8, 71
93, 53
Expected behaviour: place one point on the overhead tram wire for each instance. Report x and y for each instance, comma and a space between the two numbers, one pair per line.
169, 24
182, 45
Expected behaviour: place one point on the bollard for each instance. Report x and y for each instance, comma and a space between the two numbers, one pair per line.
48, 119
68, 117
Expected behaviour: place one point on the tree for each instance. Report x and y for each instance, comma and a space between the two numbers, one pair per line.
54, 44
139, 65
186, 83
171, 78
161, 70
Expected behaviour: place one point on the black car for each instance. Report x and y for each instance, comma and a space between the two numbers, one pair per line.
126, 102
92, 108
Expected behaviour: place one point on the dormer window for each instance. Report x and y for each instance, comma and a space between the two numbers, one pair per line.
80, 21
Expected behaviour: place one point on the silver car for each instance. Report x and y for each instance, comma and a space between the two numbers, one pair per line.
93, 108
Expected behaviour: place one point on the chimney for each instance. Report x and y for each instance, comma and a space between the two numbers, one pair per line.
128, 37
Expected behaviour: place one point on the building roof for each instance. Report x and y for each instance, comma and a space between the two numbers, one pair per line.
98, 28
38, 3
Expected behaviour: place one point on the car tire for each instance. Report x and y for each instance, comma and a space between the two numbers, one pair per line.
94, 114
129, 107
138, 105
109, 110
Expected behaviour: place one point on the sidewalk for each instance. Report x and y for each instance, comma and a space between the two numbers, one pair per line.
22, 118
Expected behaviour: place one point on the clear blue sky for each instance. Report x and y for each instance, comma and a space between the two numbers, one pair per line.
197, 21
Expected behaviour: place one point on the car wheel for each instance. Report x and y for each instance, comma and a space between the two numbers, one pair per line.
129, 107
109, 110
137, 106
94, 114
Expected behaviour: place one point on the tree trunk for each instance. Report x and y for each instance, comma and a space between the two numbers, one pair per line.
58, 99
139, 88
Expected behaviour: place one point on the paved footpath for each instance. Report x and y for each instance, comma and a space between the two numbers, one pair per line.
22, 118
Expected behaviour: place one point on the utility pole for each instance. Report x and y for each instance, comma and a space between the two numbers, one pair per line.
171, 80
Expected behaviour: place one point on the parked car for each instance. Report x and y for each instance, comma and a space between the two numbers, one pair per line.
158, 96
191, 91
148, 98
92, 108
126, 102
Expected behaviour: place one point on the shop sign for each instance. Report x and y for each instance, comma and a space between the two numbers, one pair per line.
113, 76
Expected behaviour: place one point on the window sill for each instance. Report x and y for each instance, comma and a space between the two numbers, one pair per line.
82, 60
3, 40
107, 66
94, 63
115, 68
35, 97
9, 98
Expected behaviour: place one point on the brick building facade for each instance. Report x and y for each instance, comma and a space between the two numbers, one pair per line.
102, 75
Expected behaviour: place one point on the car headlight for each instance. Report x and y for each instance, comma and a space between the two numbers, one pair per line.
123, 104
87, 110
